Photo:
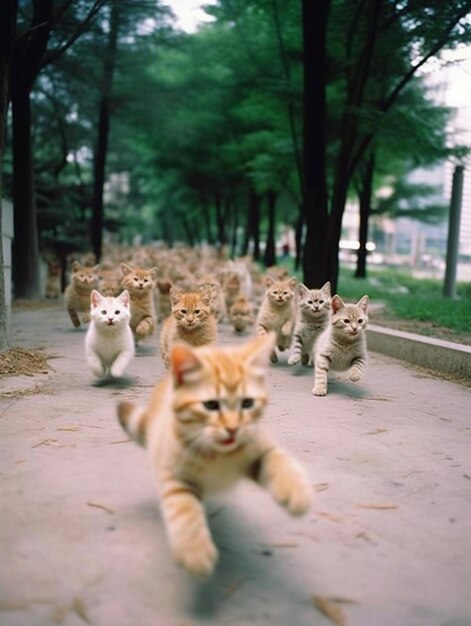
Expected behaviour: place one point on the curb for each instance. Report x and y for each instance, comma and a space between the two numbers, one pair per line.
434, 354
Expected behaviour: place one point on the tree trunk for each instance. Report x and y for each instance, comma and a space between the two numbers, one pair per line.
314, 205
8, 12
220, 222
269, 257
298, 238
27, 54
365, 196
103, 131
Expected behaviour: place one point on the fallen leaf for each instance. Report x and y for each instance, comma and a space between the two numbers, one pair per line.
101, 506
321, 486
330, 517
378, 431
45, 442
78, 607
379, 506
331, 610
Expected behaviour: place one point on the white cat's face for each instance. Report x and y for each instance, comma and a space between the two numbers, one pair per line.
109, 311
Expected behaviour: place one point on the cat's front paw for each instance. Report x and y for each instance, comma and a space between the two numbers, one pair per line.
319, 390
198, 560
85, 318
292, 491
273, 357
354, 375
117, 371
142, 329
294, 359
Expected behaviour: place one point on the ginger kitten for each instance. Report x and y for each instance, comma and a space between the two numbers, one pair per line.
140, 285
313, 315
191, 321
201, 430
277, 312
77, 294
241, 314
342, 346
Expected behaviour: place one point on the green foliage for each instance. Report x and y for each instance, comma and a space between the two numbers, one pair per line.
411, 298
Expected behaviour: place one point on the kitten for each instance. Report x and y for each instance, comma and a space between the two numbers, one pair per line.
241, 314
208, 282
109, 343
53, 280
313, 315
342, 345
191, 321
232, 289
77, 294
140, 285
201, 430
277, 312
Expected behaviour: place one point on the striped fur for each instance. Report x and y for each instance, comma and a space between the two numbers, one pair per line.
313, 315
201, 430
342, 346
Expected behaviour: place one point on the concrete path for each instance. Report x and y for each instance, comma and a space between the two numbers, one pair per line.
387, 542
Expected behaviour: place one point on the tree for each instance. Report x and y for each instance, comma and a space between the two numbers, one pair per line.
29, 56
7, 21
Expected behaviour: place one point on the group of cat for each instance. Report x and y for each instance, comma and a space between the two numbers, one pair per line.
201, 425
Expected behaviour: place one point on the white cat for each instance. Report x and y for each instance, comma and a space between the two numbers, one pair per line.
109, 343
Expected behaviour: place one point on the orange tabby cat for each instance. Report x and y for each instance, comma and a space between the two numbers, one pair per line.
140, 285
83, 281
201, 430
277, 312
191, 321
241, 314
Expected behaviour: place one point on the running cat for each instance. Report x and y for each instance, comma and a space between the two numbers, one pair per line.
342, 346
201, 430
140, 285
77, 294
277, 312
313, 316
109, 344
191, 321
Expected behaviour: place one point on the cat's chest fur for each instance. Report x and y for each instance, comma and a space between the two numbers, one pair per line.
342, 353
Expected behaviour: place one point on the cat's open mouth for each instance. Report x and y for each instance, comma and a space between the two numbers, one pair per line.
110, 323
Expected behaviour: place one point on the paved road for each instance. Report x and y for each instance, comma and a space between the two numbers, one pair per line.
387, 543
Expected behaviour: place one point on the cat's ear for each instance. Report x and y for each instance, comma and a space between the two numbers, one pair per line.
126, 269
337, 303
326, 288
363, 303
96, 298
293, 282
153, 271
124, 298
184, 364
302, 289
257, 351
95, 269
269, 281
76, 266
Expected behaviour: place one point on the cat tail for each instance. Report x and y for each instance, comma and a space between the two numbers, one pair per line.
133, 419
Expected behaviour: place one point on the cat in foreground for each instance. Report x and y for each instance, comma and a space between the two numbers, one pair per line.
201, 430
342, 345
109, 342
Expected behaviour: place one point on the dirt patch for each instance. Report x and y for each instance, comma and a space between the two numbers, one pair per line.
20, 362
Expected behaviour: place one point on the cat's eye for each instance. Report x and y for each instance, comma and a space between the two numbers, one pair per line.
103, 312
310, 302
183, 311
117, 312
321, 301
197, 311
346, 321
247, 403
211, 405
361, 320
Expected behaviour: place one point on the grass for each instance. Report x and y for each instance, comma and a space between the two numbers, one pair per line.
409, 298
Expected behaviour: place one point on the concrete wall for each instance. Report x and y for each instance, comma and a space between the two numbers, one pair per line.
7, 238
